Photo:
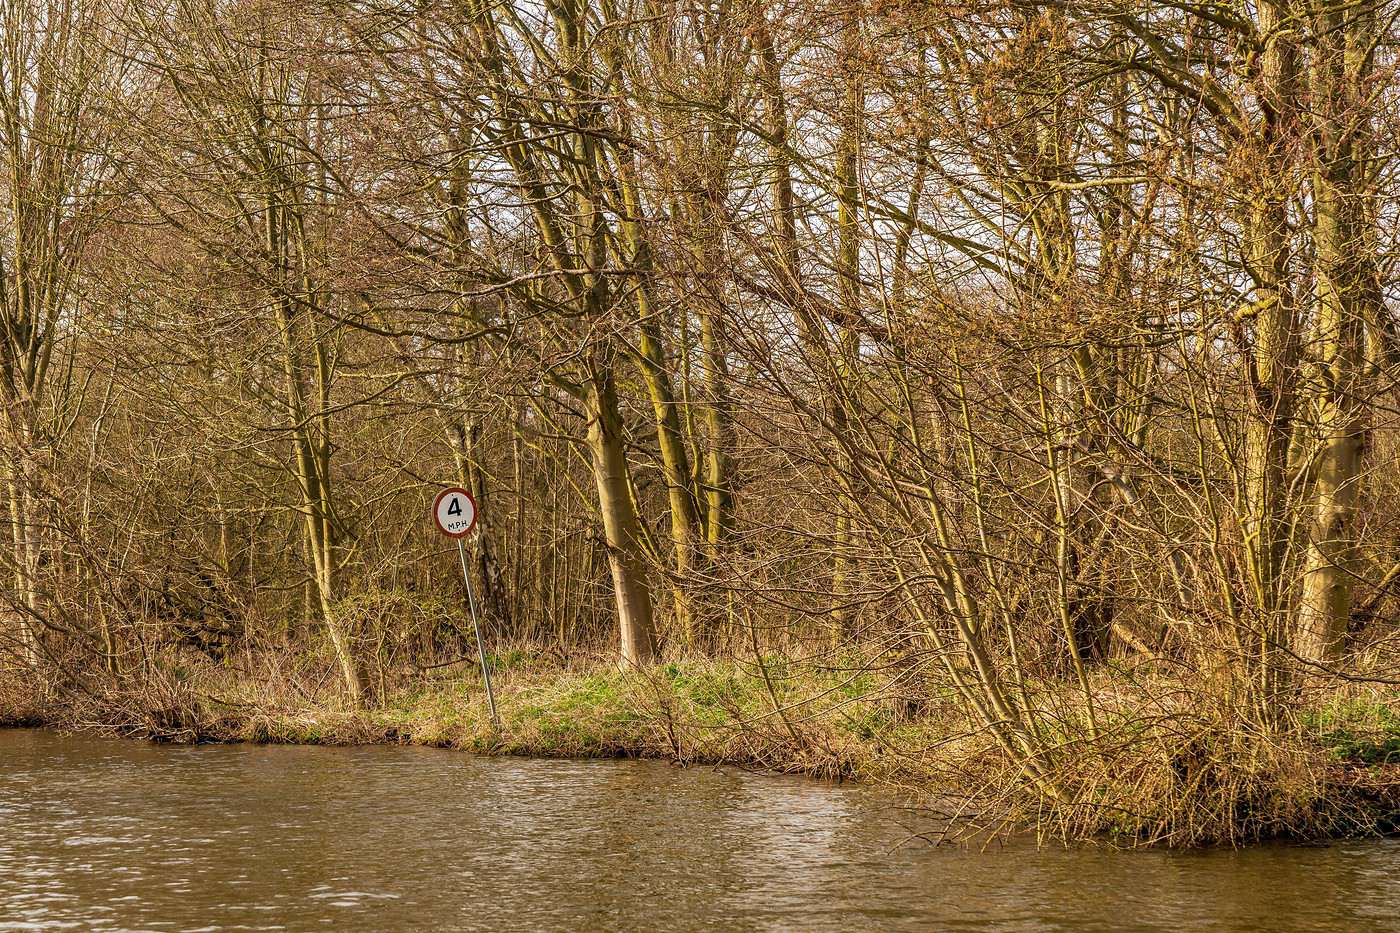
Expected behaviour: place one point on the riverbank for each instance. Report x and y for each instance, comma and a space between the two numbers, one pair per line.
830, 724
1184, 779
700, 713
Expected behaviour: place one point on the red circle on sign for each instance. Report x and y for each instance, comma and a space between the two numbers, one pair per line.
454, 525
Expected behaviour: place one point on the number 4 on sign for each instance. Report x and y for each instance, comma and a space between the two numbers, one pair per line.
454, 513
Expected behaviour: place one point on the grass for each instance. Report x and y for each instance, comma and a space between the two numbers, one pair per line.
693, 712
829, 723
1362, 730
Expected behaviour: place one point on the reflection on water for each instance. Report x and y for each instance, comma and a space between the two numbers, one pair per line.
105, 835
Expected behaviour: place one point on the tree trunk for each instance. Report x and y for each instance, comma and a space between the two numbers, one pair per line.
847, 171
1271, 365
310, 437
621, 530
718, 424
1343, 272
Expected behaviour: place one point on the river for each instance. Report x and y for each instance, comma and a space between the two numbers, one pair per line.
116, 835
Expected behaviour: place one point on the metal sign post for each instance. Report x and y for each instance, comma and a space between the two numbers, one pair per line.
454, 513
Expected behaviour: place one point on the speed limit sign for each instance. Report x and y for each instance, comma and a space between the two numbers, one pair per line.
454, 511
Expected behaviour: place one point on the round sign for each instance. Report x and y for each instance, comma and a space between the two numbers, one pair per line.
454, 511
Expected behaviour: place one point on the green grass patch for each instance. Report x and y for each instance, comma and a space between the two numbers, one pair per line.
1360, 730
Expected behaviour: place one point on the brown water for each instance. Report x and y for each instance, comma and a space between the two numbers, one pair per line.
109, 835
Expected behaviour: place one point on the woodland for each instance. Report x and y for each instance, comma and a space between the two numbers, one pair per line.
1010, 385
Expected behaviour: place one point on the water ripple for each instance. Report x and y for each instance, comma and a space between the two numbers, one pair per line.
122, 836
